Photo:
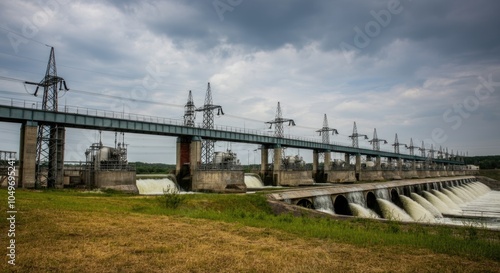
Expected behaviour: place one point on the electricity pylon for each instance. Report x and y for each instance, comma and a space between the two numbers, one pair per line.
355, 136
323, 132
411, 147
396, 144
376, 141
278, 122
189, 111
422, 150
50, 139
207, 145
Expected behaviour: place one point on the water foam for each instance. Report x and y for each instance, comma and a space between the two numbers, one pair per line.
360, 211
155, 186
438, 203
392, 212
324, 203
427, 205
416, 211
253, 181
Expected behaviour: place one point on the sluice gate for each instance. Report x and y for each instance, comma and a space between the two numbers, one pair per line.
433, 200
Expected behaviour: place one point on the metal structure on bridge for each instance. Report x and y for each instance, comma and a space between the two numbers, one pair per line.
278, 122
208, 145
324, 131
50, 140
396, 145
411, 147
376, 141
189, 111
355, 136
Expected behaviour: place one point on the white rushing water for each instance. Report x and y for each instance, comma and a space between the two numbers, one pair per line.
253, 181
446, 200
416, 211
427, 205
324, 203
356, 197
360, 211
457, 200
392, 212
438, 203
155, 186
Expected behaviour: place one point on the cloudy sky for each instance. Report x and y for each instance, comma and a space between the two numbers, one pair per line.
426, 70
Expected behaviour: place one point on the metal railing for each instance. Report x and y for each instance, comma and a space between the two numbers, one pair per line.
168, 121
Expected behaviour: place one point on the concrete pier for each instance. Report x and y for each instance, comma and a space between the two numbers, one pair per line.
27, 155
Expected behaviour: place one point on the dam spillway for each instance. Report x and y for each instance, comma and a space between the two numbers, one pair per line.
434, 200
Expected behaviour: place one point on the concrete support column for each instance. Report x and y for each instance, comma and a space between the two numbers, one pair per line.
277, 158
315, 162
58, 137
27, 155
358, 163
357, 168
347, 159
195, 153
182, 153
327, 164
264, 160
377, 162
400, 164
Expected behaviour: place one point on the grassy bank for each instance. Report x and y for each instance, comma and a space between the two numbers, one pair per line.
493, 174
60, 231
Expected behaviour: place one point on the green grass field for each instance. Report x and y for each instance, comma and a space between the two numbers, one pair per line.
60, 231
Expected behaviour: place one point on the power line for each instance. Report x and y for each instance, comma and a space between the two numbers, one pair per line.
19, 34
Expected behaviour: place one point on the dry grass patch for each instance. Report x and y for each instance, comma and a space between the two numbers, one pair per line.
82, 241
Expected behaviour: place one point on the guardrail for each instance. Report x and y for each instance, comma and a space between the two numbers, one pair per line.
161, 120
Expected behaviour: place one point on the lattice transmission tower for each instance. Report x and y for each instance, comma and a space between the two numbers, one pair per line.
396, 144
355, 136
422, 150
324, 132
189, 111
278, 122
50, 139
376, 141
411, 147
208, 145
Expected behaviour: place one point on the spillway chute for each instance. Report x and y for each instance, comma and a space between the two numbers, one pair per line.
253, 181
157, 186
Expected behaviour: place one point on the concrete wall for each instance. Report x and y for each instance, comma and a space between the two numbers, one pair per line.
371, 175
218, 181
391, 175
409, 174
117, 180
292, 178
341, 176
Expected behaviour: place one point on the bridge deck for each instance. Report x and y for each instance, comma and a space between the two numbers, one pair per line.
167, 127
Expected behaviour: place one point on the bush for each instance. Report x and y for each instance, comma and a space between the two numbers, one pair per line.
173, 199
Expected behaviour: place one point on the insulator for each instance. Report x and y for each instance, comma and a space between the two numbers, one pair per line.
65, 86
36, 91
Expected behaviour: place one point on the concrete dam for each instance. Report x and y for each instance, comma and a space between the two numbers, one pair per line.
433, 200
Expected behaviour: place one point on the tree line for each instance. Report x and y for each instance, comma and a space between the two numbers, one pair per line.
484, 162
